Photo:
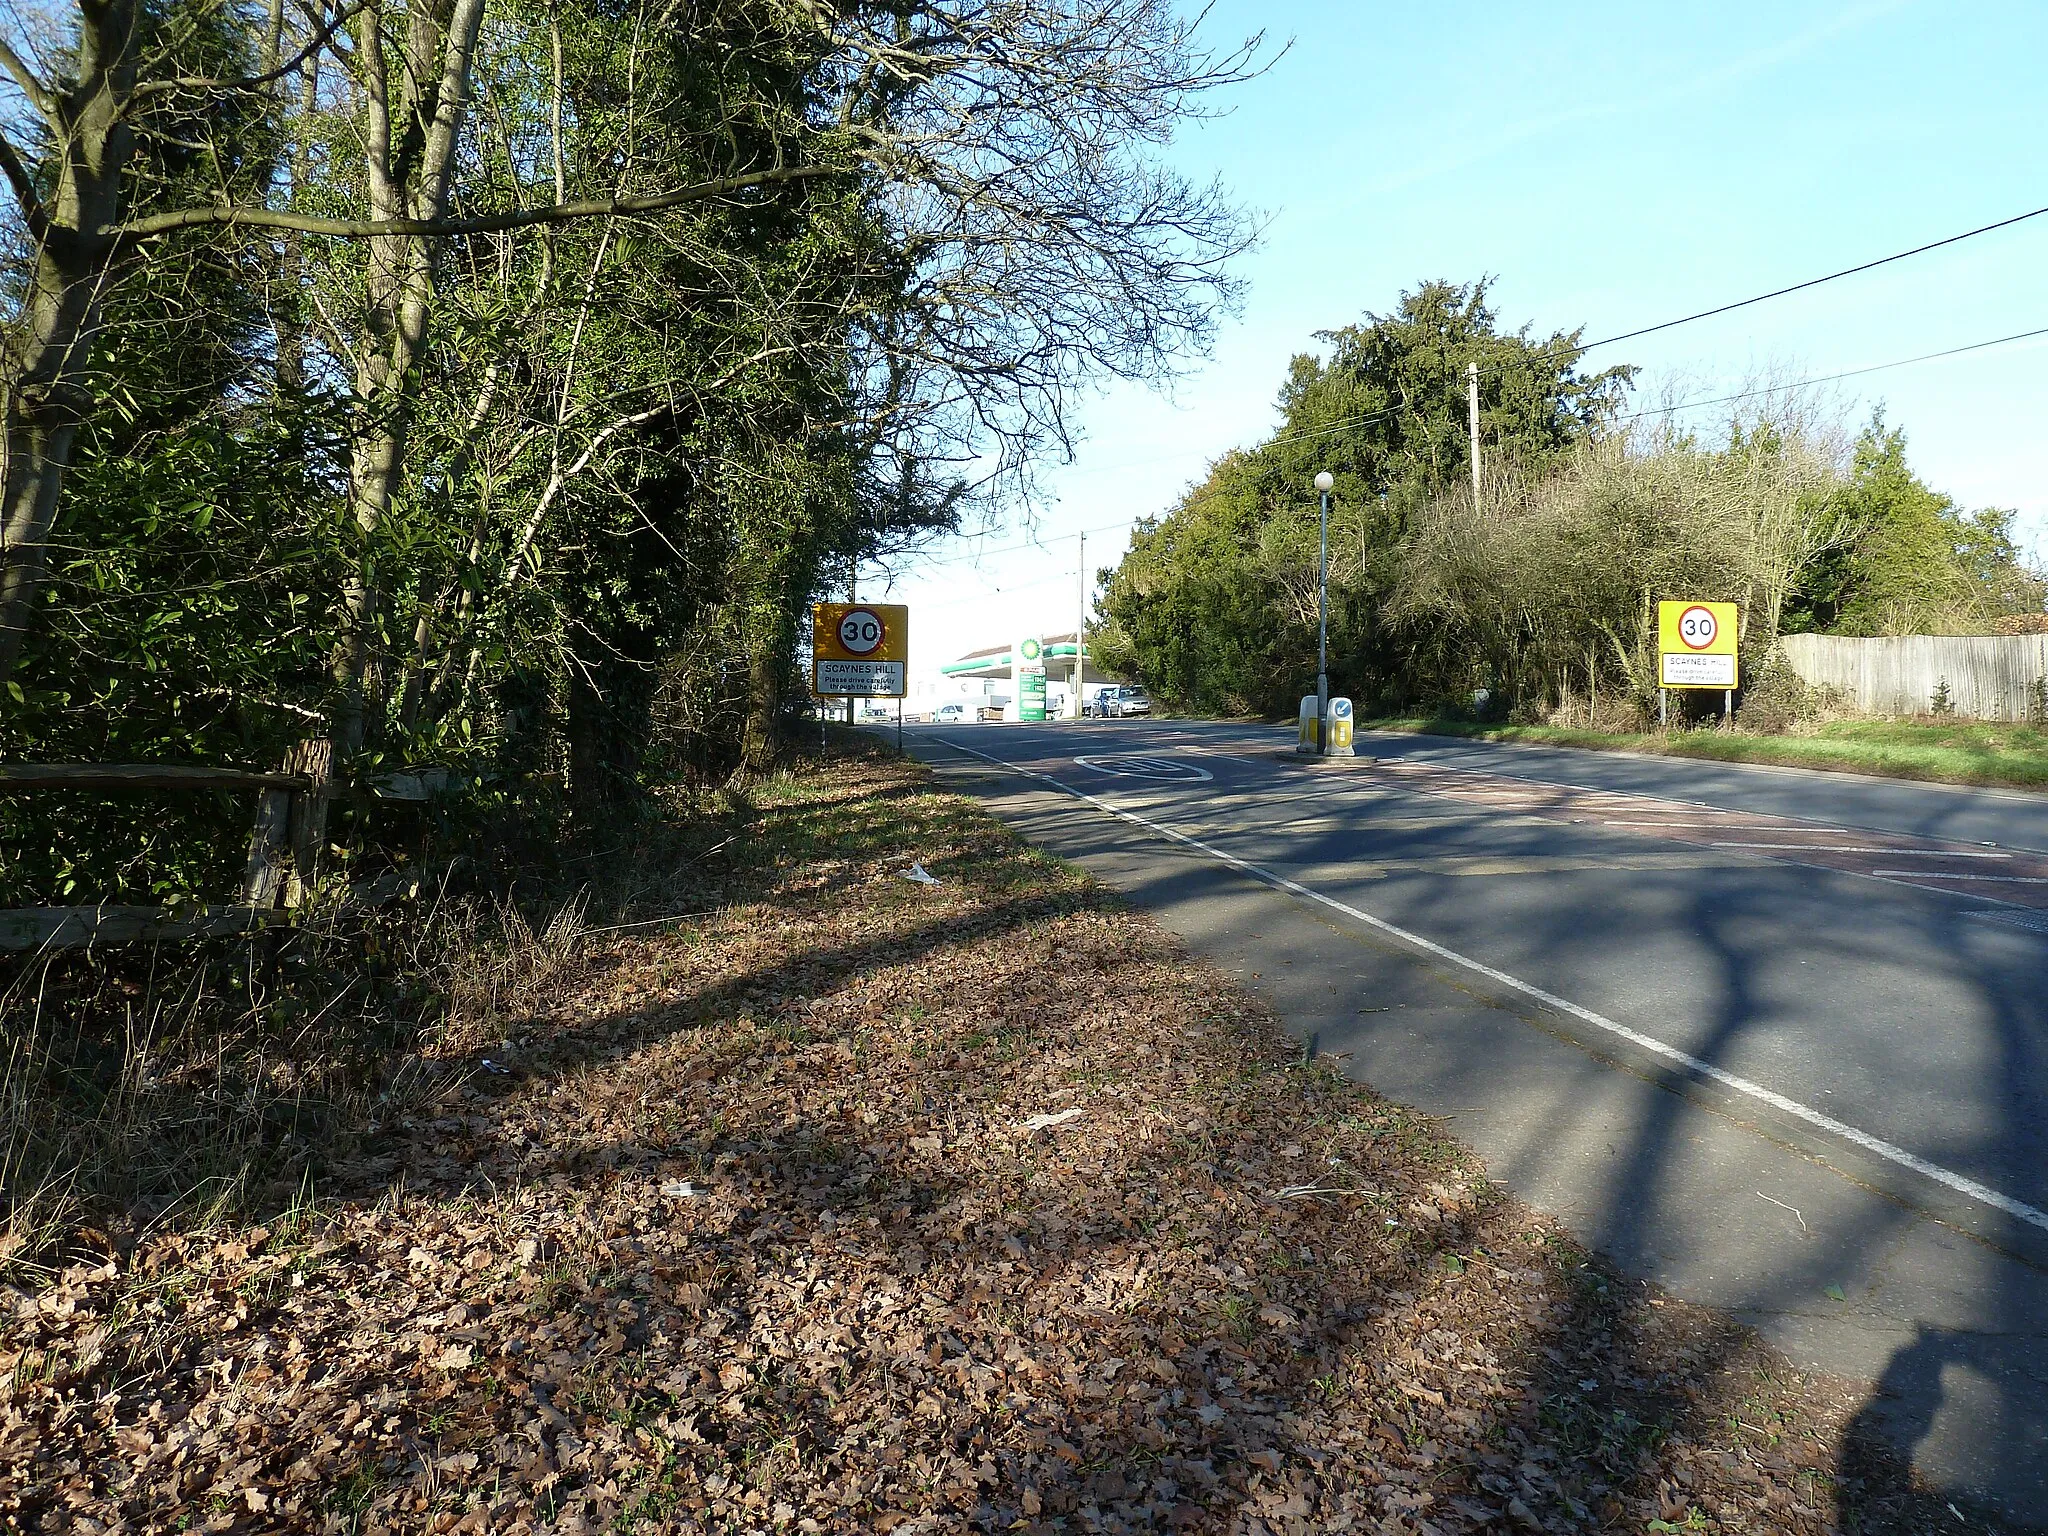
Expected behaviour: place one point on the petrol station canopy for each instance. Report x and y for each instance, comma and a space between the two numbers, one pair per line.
996, 663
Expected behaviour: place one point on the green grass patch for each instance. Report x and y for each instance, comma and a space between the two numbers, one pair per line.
1958, 752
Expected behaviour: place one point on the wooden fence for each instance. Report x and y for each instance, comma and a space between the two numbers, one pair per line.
284, 846
1989, 677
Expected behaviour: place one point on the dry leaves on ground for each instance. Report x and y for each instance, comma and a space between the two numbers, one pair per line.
869, 1205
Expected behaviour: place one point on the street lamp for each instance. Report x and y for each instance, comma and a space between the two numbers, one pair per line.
1324, 481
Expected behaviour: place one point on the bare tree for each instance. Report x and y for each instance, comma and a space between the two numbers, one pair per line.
1044, 247
1559, 573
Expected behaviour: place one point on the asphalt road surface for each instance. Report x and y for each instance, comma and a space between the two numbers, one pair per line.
1777, 1040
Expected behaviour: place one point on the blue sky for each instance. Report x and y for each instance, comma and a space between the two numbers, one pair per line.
1611, 165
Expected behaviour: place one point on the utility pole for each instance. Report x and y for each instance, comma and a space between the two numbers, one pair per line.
1472, 414
1080, 621
1324, 482
852, 596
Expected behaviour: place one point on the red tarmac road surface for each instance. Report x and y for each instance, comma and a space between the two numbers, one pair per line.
1983, 870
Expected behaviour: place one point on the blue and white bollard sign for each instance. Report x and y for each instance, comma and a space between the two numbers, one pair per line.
1340, 730
1306, 740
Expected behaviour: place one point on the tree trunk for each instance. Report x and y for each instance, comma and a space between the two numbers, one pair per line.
38, 452
764, 709
609, 721
780, 581
42, 374
374, 470
292, 277
414, 126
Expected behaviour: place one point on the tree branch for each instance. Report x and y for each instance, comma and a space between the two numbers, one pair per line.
31, 87
32, 210
516, 564
320, 39
481, 224
450, 102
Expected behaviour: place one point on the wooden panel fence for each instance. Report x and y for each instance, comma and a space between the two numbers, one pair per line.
1989, 677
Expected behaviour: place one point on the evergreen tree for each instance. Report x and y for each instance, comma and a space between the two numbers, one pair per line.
1216, 604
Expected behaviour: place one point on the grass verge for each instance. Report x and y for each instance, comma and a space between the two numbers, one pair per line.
1974, 752
859, 1204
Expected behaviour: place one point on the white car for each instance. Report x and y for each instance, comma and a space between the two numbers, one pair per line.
952, 714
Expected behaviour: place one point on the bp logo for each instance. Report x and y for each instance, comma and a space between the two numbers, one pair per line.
1031, 650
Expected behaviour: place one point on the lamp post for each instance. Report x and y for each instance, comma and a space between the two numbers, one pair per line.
1324, 481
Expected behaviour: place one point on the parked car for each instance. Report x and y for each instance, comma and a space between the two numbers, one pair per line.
1097, 703
878, 712
956, 713
1126, 700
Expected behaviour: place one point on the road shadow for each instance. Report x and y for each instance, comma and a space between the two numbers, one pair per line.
1127, 1333
1955, 1397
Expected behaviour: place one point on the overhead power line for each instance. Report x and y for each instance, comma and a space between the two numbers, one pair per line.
1835, 378
1057, 578
1689, 405
1347, 423
1754, 394
1812, 282
1663, 325
1010, 549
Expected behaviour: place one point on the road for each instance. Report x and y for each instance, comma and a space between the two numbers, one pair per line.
1776, 1040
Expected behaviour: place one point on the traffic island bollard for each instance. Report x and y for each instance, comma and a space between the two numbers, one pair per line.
1306, 739
1339, 744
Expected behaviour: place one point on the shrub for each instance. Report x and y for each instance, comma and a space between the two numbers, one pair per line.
1777, 699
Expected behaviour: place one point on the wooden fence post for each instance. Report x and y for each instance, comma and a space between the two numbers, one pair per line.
263, 879
315, 759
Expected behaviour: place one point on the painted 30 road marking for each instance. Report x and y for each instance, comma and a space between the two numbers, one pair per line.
1164, 769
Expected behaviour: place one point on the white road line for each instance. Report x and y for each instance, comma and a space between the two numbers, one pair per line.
1961, 1184
1911, 853
1937, 874
1715, 826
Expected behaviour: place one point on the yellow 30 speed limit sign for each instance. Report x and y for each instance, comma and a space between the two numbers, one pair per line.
860, 650
1696, 645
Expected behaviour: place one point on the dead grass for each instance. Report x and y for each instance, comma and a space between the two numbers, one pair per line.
861, 1205
200, 1083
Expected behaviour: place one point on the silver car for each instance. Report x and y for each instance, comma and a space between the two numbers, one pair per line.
1126, 700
